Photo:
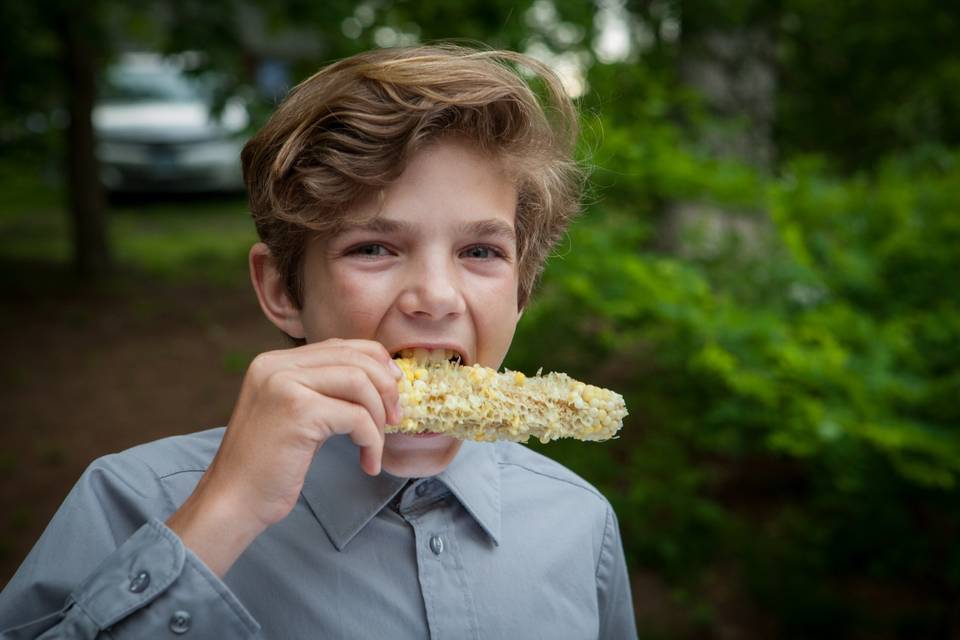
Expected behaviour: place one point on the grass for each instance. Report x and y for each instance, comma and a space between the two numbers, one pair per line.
204, 238
176, 240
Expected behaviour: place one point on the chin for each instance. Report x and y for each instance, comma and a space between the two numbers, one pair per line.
411, 456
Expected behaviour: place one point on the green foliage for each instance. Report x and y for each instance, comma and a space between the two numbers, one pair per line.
885, 76
819, 334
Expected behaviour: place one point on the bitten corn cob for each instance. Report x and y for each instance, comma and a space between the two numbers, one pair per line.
477, 403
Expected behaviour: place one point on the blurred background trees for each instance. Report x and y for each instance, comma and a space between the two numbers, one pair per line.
766, 266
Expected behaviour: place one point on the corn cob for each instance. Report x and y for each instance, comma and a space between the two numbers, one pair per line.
478, 403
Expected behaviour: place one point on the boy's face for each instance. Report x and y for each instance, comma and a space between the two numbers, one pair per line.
438, 267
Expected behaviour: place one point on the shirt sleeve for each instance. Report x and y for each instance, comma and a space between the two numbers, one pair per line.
107, 564
613, 585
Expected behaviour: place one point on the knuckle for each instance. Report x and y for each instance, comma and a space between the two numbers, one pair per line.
389, 396
260, 365
387, 383
341, 418
298, 412
343, 354
358, 417
280, 385
353, 356
345, 421
356, 379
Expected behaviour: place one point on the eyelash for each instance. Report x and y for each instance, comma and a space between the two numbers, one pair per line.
497, 253
359, 250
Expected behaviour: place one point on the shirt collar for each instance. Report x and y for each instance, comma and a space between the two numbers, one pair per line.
474, 478
344, 498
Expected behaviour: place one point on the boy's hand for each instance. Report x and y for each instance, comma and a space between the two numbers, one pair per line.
290, 402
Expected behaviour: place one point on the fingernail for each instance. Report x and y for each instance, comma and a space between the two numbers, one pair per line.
397, 371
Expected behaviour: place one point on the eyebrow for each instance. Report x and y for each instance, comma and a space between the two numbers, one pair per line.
489, 228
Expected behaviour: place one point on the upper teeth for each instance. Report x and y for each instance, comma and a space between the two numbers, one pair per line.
429, 355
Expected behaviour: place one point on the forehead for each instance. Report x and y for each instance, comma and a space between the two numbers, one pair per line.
448, 184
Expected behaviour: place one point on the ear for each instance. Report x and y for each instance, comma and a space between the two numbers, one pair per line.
271, 290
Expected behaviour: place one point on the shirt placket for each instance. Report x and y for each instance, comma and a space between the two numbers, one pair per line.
448, 599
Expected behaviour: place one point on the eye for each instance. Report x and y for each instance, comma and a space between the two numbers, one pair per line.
372, 250
483, 251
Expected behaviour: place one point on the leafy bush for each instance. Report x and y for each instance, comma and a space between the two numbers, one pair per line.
791, 365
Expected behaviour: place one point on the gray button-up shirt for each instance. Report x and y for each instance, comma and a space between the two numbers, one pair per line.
505, 543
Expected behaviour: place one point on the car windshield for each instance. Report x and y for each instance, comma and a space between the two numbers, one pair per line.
148, 84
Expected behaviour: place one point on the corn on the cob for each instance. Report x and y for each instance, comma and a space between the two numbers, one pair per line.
477, 403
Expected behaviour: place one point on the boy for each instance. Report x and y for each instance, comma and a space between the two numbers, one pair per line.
404, 198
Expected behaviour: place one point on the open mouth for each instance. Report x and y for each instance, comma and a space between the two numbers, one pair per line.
430, 355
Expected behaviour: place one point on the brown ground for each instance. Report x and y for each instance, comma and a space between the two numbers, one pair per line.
86, 374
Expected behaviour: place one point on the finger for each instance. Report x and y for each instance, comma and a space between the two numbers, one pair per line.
372, 348
371, 461
341, 417
340, 353
349, 383
355, 352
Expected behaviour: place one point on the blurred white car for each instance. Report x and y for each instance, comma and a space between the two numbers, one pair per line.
156, 131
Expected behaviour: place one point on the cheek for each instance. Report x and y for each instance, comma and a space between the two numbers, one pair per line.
494, 308
346, 304
358, 297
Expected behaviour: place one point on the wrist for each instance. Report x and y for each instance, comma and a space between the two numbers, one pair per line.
214, 527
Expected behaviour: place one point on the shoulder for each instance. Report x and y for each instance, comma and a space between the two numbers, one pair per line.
525, 470
143, 468
176, 454
118, 492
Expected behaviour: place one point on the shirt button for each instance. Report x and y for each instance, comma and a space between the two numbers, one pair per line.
422, 489
436, 545
140, 582
180, 622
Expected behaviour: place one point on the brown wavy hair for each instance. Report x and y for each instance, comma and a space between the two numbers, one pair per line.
349, 130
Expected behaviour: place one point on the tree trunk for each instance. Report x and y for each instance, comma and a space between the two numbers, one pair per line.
85, 197
734, 72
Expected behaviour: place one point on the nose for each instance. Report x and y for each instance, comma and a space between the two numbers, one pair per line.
432, 289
